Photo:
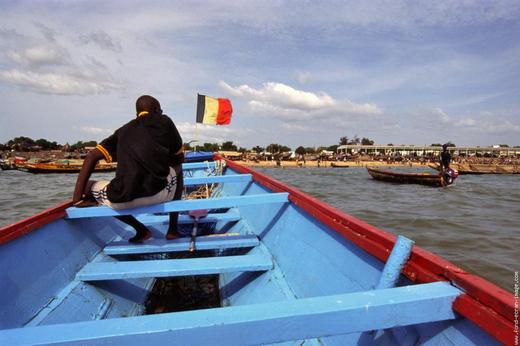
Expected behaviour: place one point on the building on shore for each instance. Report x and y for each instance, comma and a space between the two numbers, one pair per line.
427, 151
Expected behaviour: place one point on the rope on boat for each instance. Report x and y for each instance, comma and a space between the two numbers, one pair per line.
208, 190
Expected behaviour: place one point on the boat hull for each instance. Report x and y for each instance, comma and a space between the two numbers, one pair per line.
407, 178
313, 251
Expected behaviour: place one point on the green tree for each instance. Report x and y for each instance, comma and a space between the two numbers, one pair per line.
229, 146
343, 140
367, 141
210, 147
300, 150
21, 143
277, 148
333, 147
258, 149
310, 150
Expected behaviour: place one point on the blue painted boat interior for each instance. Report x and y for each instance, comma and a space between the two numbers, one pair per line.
276, 264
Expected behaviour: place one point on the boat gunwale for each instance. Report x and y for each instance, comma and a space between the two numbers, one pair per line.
487, 305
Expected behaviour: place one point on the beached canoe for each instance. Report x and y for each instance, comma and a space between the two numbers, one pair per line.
41, 168
291, 270
407, 178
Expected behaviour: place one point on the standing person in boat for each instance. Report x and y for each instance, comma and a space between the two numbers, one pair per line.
445, 158
149, 155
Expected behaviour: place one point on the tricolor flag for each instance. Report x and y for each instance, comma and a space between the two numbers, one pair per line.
213, 111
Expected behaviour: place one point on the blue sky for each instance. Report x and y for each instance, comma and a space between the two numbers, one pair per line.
297, 72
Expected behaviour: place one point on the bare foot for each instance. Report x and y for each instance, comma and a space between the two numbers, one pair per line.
141, 236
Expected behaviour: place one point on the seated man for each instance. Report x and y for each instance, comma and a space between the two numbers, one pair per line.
149, 155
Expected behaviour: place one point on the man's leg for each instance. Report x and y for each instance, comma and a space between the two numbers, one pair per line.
173, 230
142, 233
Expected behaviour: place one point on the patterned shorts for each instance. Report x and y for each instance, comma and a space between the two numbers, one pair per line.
99, 191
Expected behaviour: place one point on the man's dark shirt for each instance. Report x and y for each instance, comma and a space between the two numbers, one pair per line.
144, 149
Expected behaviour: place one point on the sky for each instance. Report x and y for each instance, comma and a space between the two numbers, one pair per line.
297, 72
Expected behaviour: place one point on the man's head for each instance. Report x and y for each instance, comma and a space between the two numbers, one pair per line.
444, 146
148, 104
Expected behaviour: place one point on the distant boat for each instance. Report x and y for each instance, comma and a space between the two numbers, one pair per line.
338, 165
291, 269
61, 168
408, 178
6, 165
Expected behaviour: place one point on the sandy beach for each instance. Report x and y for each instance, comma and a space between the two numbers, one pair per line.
327, 164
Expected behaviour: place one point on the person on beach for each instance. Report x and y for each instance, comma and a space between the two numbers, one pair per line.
149, 155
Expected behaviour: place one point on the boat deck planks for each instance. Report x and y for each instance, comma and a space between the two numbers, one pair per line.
181, 205
259, 323
173, 267
212, 242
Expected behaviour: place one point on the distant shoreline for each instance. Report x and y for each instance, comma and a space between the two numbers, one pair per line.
328, 164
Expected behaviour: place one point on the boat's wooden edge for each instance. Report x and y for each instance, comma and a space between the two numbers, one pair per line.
487, 305
18, 229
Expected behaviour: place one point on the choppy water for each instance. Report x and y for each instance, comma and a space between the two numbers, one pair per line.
474, 223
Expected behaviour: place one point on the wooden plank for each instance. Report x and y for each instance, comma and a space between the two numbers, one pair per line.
258, 323
176, 267
211, 242
229, 216
182, 205
214, 179
198, 165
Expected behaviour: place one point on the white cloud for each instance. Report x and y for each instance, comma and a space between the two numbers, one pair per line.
53, 83
481, 123
96, 130
39, 55
287, 103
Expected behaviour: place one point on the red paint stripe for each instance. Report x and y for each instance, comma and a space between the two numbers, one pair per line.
423, 266
32, 223
486, 318
224, 112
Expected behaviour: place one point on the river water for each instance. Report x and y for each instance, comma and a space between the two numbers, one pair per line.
474, 223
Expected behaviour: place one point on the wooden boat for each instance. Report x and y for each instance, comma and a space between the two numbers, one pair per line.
6, 165
291, 270
338, 165
407, 178
38, 168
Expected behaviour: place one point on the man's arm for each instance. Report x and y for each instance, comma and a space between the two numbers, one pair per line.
86, 170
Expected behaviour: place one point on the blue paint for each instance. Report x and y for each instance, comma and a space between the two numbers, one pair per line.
229, 216
182, 205
259, 323
198, 165
218, 179
395, 263
174, 267
182, 244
